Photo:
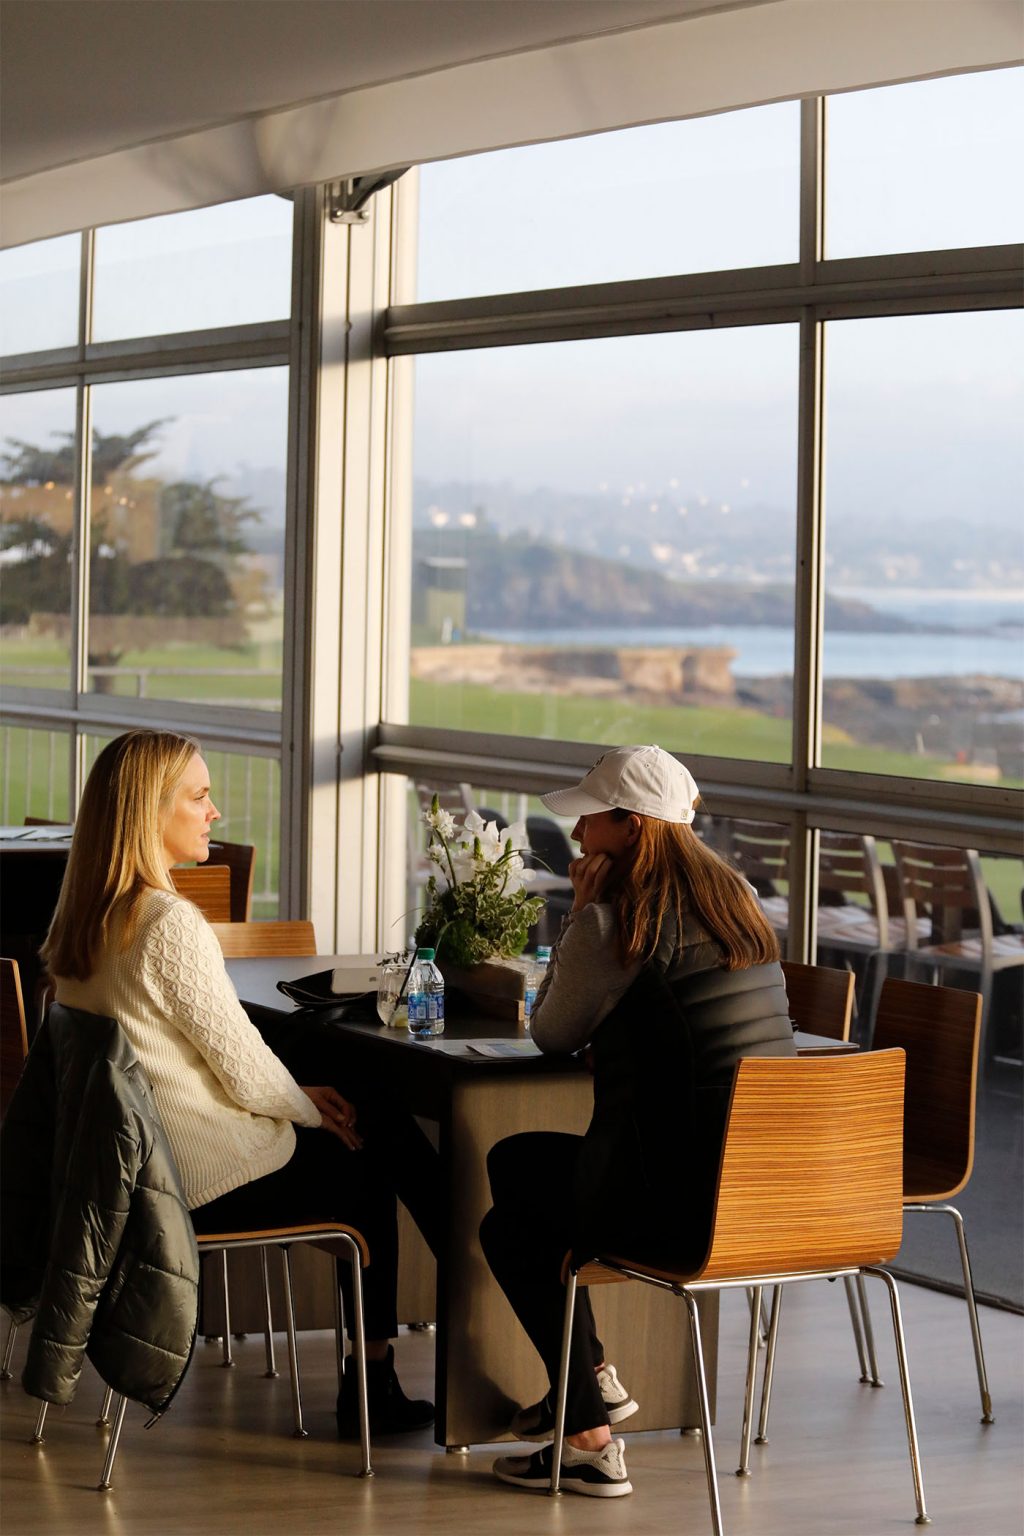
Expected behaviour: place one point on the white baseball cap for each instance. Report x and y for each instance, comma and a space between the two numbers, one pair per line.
646, 780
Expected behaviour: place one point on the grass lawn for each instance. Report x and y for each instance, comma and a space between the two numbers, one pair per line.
201, 673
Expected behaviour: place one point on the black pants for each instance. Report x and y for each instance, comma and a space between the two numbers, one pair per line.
525, 1238
325, 1181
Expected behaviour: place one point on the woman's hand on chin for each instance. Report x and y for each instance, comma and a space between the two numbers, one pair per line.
589, 875
337, 1115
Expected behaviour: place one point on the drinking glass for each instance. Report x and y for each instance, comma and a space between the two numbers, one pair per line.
392, 999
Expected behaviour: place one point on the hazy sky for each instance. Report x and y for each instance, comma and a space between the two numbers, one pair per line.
923, 412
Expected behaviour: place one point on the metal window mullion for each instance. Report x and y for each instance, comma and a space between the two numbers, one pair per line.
79, 659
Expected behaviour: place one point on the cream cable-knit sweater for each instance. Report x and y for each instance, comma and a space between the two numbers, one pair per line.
227, 1103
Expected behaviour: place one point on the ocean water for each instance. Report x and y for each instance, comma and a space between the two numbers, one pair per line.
988, 640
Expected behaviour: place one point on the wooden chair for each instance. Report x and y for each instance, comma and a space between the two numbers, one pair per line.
854, 917
820, 999
209, 887
760, 851
240, 859
282, 1238
939, 1028
809, 1187
249, 941
947, 886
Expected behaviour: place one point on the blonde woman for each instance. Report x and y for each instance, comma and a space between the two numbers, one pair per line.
252, 1147
666, 972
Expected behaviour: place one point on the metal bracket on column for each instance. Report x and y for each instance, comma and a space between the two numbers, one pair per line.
347, 199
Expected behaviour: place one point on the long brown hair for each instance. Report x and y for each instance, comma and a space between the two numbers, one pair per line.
117, 850
671, 873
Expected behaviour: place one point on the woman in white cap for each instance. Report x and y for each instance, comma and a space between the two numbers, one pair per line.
666, 971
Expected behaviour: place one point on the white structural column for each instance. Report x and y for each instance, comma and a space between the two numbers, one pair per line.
339, 422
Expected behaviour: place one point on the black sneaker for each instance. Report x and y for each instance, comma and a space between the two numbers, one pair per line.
538, 1421
391, 1412
596, 1474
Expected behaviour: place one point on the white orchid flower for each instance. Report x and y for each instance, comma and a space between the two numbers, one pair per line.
516, 835
442, 822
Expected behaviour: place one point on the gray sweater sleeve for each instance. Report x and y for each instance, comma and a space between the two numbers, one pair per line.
585, 980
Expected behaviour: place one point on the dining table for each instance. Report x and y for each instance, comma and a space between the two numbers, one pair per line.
480, 1081
32, 864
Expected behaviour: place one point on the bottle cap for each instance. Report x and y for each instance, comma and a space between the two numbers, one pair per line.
424, 954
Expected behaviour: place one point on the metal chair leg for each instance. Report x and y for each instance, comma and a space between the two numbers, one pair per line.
103, 1422
908, 1401
268, 1318
359, 1349
562, 1395
858, 1332
5, 1364
227, 1362
743, 1470
987, 1416
705, 1412
37, 1433
762, 1336
869, 1334
769, 1366
300, 1432
115, 1435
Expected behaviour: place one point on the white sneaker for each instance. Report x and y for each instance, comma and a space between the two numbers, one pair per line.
538, 1421
596, 1474
617, 1401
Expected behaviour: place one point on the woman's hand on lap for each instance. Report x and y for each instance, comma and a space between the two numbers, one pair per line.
589, 875
337, 1115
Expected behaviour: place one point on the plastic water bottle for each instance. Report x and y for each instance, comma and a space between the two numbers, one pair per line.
534, 976
426, 996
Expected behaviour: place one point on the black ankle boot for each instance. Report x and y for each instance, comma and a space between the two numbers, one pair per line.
391, 1412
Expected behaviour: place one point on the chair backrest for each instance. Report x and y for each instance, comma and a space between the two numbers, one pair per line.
848, 865
209, 886
946, 885
13, 1033
939, 1028
761, 852
43, 821
820, 998
240, 859
811, 1175
550, 844
248, 941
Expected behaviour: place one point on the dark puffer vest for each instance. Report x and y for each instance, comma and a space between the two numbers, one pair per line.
97, 1244
663, 1064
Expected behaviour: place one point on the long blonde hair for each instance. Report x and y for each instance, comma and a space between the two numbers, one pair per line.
117, 850
672, 873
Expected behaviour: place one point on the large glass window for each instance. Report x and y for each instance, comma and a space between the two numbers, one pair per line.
603, 542
925, 565
228, 265
34, 775
187, 538
692, 196
930, 164
39, 288
37, 520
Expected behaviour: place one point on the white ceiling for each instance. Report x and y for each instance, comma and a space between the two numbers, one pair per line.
83, 78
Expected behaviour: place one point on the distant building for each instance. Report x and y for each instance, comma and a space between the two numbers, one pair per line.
439, 596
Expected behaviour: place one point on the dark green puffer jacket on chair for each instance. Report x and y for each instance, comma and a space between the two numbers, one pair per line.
97, 1244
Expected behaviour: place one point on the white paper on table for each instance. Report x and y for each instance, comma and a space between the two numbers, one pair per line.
503, 1048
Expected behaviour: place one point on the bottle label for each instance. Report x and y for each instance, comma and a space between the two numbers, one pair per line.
425, 1008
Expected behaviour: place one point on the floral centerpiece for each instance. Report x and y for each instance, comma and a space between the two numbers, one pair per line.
477, 901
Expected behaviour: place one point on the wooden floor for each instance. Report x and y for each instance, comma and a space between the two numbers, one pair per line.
223, 1461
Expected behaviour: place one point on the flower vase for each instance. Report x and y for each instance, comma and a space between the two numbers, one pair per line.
493, 989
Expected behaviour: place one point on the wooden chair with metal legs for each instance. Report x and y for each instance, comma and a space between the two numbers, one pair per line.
248, 941
946, 886
244, 941
240, 861
939, 1028
209, 887
283, 1238
809, 1187
821, 1002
